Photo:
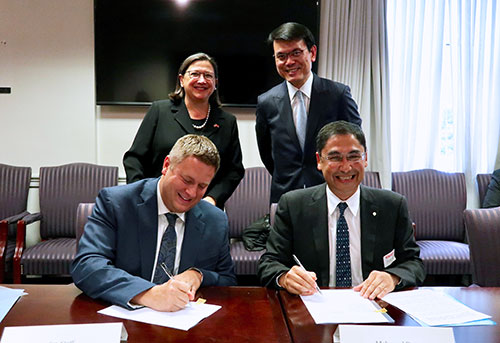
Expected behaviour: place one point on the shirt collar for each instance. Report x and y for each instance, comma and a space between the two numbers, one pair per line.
162, 208
306, 88
352, 202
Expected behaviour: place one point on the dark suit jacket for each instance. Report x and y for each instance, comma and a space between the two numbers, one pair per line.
277, 139
116, 253
492, 197
301, 228
164, 124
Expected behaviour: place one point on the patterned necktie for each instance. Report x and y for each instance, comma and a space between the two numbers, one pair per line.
301, 124
343, 256
167, 251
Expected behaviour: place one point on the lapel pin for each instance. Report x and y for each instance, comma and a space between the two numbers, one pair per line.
374, 214
216, 126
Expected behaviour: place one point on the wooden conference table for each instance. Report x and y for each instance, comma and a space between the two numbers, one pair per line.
486, 300
248, 314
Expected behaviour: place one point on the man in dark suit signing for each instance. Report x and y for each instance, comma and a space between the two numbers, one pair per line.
345, 234
140, 233
289, 116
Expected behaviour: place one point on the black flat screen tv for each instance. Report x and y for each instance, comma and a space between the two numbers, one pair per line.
140, 44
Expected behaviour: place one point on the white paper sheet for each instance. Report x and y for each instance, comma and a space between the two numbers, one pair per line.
392, 334
8, 297
433, 308
74, 333
343, 306
182, 320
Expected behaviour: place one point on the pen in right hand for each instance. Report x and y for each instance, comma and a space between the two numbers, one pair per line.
165, 269
301, 266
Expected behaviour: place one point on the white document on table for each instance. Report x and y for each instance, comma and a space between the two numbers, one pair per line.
343, 306
183, 319
433, 308
392, 334
8, 297
74, 333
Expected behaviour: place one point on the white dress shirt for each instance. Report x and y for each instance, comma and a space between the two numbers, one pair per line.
353, 219
306, 89
180, 225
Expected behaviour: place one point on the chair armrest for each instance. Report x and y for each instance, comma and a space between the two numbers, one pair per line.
4, 228
16, 217
32, 217
20, 244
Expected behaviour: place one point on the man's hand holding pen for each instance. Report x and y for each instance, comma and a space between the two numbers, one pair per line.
172, 295
299, 281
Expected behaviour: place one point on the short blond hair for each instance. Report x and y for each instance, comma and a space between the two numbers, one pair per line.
197, 146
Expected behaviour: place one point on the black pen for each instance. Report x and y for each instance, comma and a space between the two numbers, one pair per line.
301, 266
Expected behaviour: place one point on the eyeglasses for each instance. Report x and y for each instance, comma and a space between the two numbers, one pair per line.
197, 74
283, 56
352, 157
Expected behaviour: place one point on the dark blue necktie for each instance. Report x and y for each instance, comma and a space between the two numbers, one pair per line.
167, 251
343, 256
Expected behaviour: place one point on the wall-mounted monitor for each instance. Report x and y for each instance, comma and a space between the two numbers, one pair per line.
140, 44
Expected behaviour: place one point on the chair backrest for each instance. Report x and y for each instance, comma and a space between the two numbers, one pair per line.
436, 201
483, 180
272, 214
372, 179
83, 211
250, 200
483, 230
14, 188
62, 188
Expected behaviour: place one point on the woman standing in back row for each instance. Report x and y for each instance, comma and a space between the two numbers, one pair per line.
194, 107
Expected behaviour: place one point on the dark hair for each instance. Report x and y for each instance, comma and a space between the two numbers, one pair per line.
339, 127
292, 31
178, 94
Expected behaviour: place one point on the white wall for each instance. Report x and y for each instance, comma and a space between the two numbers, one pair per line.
117, 126
48, 60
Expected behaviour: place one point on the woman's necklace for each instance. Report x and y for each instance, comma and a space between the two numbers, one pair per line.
199, 127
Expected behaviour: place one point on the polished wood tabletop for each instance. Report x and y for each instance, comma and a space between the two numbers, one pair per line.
486, 300
248, 314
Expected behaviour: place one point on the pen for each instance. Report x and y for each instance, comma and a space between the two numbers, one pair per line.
169, 274
301, 266
165, 269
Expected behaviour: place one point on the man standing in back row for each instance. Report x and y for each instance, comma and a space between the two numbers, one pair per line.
290, 115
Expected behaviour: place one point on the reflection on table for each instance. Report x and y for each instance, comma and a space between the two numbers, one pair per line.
248, 314
486, 300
